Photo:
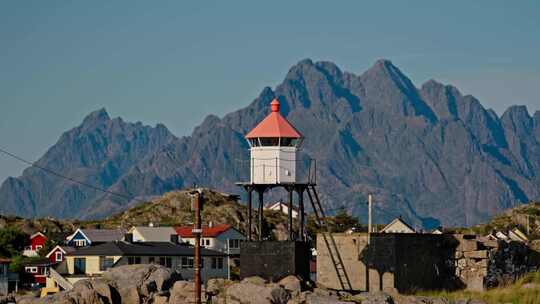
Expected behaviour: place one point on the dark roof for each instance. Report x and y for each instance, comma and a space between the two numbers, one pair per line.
121, 248
38, 262
104, 235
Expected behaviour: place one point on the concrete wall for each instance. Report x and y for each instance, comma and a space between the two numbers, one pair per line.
274, 260
402, 262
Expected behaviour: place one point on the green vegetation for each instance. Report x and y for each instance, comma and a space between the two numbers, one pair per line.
524, 291
12, 241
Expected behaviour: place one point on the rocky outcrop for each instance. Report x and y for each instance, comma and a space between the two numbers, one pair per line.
149, 284
482, 263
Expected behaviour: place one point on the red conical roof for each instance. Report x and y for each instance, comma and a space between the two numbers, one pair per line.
274, 125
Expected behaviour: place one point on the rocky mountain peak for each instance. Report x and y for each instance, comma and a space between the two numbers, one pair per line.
517, 117
429, 154
96, 117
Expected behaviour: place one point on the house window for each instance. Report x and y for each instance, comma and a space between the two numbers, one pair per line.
217, 263
105, 263
58, 256
31, 269
234, 244
80, 243
38, 247
134, 260
187, 262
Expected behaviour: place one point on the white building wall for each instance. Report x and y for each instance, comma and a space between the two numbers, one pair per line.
220, 243
273, 165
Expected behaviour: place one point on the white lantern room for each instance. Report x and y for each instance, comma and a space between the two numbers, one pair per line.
274, 144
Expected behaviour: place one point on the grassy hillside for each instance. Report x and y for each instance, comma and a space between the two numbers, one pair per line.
524, 291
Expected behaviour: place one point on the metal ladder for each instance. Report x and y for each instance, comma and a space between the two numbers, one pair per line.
329, 240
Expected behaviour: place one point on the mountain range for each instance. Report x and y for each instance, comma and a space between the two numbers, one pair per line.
428, 154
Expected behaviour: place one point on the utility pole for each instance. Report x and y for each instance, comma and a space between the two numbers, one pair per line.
370, 204
197, 231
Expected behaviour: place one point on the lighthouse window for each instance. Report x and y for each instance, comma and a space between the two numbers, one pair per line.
269, 141
254, 142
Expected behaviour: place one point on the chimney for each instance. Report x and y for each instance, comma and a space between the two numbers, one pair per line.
128, 237
174, 238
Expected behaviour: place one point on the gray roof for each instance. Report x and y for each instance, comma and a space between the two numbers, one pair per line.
155, 234
121, 248
104, 235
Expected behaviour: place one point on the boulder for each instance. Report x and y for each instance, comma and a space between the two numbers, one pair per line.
292, 284
160, 300
139, 282
255, 280
217, 286
182, 292
320, 299
248, 292
373, 298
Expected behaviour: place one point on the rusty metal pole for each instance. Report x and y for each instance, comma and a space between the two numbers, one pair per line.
197, 231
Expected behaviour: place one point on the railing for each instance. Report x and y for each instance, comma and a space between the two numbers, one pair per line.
60, 280
276, 170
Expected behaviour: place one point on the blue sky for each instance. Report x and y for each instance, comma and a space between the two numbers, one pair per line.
175, 62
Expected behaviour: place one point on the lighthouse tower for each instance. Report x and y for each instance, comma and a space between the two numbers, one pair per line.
274, 144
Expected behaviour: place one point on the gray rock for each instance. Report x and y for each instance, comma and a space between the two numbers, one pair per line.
292, 284
373, 298
248, 292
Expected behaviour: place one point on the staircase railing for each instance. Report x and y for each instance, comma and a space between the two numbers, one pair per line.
60, 280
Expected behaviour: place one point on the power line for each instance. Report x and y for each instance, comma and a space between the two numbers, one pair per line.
52, 172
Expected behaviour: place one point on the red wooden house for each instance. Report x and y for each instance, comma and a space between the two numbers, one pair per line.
58, 253
36, 242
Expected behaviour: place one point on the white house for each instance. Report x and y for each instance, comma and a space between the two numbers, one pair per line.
282, 207
398, 226
152, 234
223, 238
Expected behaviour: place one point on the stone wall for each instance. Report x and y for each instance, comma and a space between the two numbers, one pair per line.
402, 262
408, 262
482, 263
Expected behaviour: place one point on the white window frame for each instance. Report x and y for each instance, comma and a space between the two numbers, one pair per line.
59, 256
80, 243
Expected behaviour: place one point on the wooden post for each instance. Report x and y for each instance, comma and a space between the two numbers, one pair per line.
197, 231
